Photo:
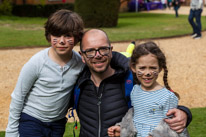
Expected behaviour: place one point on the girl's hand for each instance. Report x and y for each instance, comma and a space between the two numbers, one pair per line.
114, 131
178, 122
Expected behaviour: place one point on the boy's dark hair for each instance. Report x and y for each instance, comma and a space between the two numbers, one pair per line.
64, 22
150, 48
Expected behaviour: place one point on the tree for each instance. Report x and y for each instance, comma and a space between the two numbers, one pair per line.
98, 13
5, 7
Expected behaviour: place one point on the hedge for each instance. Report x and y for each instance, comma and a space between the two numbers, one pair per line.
39, 10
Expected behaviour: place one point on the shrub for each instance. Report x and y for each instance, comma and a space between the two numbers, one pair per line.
98, 13
39, 10
5, 8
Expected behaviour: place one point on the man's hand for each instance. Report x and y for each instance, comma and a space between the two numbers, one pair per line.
114, 131
179, 120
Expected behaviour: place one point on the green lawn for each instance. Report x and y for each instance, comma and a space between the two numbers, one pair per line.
22, 31
196, 128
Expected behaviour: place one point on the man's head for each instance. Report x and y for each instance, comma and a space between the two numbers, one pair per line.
96, 51
64, 23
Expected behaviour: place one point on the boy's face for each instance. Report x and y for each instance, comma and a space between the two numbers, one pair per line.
62, 45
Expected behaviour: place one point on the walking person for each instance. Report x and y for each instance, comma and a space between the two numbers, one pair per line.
42, 94
196, 7
176, 5
100, 97
169, 3
150, 100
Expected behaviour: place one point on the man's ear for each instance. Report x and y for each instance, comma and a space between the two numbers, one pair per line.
82, 56
111, 47
111, 50
133, 68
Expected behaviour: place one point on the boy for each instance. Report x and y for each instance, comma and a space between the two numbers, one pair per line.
40, 99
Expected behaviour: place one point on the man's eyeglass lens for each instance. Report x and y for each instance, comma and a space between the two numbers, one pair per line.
90, 53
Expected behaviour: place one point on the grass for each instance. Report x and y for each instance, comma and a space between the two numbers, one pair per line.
198, 124
196, 127
25, 32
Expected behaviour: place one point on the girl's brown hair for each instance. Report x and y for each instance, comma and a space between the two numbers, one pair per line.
151, 48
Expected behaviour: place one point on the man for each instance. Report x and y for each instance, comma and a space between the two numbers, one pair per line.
196, 7
101, 102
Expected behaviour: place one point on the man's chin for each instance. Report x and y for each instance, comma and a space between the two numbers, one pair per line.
99, 70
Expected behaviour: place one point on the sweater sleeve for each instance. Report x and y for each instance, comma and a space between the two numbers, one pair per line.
26, 79
188, 112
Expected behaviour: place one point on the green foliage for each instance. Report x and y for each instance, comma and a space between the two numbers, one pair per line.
98, 13
39, 10
5, 8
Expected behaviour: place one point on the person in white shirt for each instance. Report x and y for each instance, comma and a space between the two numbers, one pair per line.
196, 7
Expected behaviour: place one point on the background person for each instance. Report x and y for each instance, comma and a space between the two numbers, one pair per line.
196, 7
169, 4
176, 5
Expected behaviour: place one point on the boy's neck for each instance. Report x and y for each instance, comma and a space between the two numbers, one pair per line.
59, 59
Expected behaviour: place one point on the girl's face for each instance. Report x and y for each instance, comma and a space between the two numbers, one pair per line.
147, 70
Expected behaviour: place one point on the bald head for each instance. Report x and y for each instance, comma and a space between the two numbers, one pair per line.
93, 36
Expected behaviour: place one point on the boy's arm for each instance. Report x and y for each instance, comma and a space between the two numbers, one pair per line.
25, 81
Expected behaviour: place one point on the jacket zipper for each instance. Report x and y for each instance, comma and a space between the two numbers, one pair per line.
99, 108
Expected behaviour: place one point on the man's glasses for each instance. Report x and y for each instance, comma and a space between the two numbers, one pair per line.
90, 53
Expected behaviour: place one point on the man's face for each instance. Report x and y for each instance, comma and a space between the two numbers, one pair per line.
96, 52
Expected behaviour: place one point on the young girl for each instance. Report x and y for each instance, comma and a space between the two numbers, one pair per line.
151, 101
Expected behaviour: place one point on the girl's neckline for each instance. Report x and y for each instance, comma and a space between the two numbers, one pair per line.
149, 91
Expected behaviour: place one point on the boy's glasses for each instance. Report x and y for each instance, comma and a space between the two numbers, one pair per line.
90, 53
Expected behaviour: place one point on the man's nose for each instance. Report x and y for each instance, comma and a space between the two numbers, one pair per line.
98, 54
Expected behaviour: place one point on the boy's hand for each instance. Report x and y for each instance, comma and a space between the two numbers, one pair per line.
179, 120
114, 131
